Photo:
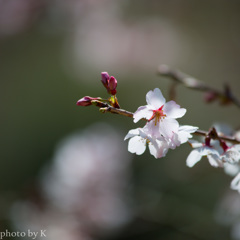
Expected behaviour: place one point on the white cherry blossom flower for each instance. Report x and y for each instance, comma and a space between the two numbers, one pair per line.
162, 130
158, 147
215, 157
161, 116
232, 154
140, 139
201, 150
181, 136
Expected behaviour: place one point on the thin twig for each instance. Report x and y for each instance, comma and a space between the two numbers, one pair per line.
195, 84
198, 132
117, 111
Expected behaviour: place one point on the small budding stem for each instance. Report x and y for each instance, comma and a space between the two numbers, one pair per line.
116, 111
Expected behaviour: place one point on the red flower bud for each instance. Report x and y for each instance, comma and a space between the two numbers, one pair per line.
86, 101
105, 77
112, 85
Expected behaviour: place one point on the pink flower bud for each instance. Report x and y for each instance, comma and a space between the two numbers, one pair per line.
105, 77
86, 101
112, 85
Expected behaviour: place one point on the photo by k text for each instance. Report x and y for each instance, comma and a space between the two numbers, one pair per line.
30, 234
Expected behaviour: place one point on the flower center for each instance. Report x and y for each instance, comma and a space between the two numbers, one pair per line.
158, 115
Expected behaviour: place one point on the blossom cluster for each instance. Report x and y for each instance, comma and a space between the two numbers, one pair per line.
162, 131
219, 154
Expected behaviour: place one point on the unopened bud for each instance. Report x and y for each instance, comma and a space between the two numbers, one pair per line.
112, 85
105, 77
86, 101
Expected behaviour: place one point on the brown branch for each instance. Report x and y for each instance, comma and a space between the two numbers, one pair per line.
217, 136
116, 111
195, 84
125, 113
108, 108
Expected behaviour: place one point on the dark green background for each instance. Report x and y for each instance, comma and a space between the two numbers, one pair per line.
37, 104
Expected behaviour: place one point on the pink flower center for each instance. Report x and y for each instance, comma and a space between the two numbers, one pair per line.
158, 115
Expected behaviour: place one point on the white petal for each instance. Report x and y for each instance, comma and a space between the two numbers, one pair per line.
137, 145
231, 155
237, 147
235, 184
183, 136
155, 98
152, 150
132, 133
223, 128
173, 110
187, 128
174, 141
184, 133
193, 158
231, 169
204, 151
215, 160
195, 144
167, 126
142, 112
144, 134
158, 149
152, 129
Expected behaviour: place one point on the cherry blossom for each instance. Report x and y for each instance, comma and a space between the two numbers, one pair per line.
161, 116
201, 150
139, 139
214, 155
181, 136
162, 131
232, 154
158, 147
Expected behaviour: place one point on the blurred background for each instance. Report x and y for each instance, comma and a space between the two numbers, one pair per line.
66, 169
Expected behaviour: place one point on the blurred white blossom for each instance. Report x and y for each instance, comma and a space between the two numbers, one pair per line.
84, 190
228, 213
18, 15
102, 36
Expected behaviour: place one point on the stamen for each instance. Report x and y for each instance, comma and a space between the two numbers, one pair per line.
158, 115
